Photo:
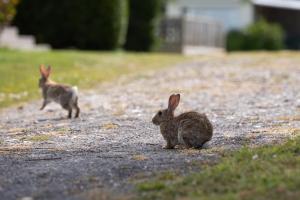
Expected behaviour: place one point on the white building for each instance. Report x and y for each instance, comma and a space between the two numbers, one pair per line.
198, 26
233, 14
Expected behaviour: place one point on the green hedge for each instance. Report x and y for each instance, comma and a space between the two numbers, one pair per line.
235, 40
143, 25
258, 36
92, 24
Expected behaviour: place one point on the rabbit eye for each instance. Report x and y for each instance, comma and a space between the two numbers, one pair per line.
159, 113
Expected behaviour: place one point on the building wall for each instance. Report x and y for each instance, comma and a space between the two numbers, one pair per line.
233, 14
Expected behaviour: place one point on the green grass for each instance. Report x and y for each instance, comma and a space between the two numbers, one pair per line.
271, 172
19, 71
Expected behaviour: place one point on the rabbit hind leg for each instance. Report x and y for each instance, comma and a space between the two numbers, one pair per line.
77, 108
69, 109
188, 134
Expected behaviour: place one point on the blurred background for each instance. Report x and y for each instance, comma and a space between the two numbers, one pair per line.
102, 37
184, 26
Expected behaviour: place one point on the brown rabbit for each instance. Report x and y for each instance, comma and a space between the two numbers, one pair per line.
65, 95
191, 129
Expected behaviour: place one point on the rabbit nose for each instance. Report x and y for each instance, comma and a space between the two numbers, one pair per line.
153, 119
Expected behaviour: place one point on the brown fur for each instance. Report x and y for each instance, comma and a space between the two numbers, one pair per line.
191, 129
65, 95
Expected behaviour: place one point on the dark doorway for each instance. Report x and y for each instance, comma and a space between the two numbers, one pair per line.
289, 20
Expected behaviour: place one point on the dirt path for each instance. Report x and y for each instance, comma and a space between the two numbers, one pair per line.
250, 100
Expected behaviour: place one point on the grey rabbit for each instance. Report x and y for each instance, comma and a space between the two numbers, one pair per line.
191, 129
66, 96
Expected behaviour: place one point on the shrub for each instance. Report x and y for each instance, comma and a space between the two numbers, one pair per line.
258, 36
143, 24
7, 11
235, 40
264, 35
93, 24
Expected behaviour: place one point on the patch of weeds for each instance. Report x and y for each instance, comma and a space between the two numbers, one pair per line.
161, 180
63, 129
15, 130
119, 112
167, 176
139, 157
60, 131
277, 130
244, 141
110, 126
232, 75
296, 132
151, 186
93, 179
125, 167
269, 172
38, 138
280, 78
289, 118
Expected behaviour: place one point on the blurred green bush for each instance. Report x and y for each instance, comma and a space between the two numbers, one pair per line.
235, 40
92, 24
7, 11
143, 24
258, 36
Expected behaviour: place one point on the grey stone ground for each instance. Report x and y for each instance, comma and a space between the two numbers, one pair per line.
250, 100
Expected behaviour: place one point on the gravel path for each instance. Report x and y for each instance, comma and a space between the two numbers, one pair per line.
250, 100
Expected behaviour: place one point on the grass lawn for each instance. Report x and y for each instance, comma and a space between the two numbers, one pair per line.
271, 172
19, 71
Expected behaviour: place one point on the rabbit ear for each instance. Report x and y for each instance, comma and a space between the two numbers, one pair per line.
43, 71
173, 102
49, 69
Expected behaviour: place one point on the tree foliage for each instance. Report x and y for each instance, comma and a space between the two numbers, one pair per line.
92, 24
7, 11
143, 24
259, 36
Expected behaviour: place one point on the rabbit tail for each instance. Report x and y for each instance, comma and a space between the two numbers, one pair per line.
74, 94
